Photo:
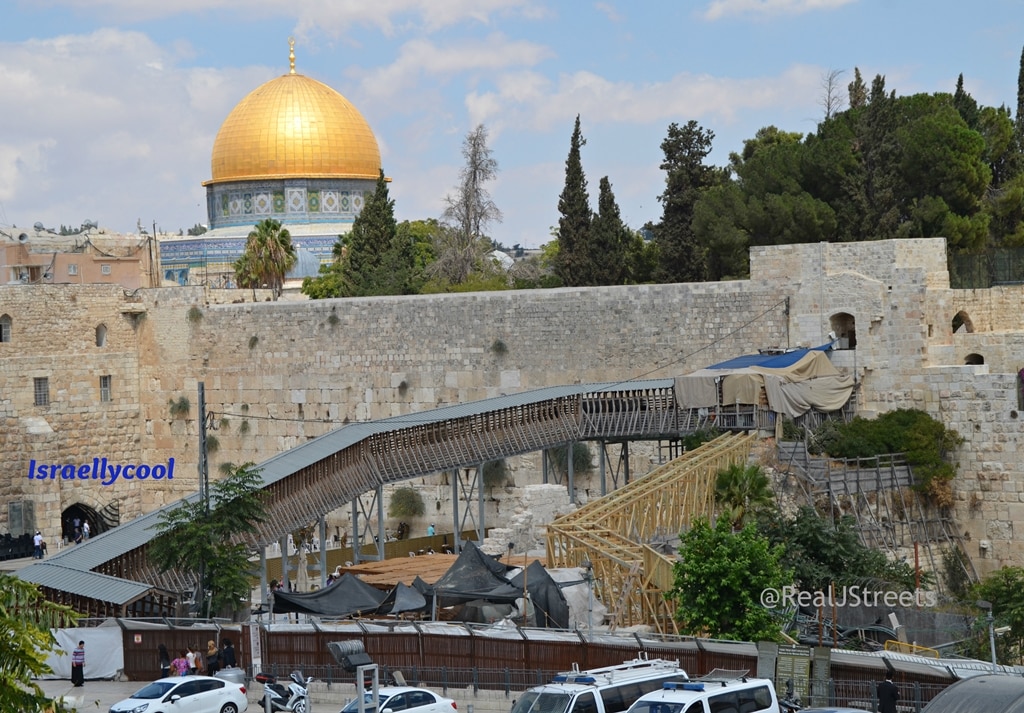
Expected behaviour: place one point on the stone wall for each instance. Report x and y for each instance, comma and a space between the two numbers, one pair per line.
279, 373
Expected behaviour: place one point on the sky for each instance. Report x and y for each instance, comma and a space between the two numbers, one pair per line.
109, 108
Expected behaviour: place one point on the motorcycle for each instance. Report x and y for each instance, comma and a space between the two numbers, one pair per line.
791, 703
293, 699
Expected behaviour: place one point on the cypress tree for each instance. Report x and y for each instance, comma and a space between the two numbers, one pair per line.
858, 90
609, 239
1019, 119
572, 263
680, 258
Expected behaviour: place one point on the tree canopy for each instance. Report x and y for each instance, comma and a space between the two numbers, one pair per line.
268, 256
461, 246
377, 257
719, 580
204, 539
571, 261
27, 619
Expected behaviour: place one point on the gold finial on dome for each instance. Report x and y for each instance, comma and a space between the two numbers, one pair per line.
291, 55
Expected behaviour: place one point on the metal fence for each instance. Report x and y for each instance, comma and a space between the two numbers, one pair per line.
999, 266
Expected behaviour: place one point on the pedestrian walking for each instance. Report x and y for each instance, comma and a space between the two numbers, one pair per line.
180, 664
78, 665
37, 543
212, 657
888, 694
165, 661
227, 655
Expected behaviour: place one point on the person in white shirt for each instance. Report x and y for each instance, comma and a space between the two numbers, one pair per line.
37, 542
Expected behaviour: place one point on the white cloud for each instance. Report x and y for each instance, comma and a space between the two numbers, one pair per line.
332, 17
419, 58
109, 122
719, 9
528, 100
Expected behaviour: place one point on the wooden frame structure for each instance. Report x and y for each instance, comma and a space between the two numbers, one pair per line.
613, 534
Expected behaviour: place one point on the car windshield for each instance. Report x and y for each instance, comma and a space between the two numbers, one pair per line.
367, 699
154, 690
532, 702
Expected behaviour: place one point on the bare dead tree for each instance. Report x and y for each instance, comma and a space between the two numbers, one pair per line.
461, 245
832, 96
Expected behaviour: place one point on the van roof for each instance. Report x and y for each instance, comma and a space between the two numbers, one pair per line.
717, 680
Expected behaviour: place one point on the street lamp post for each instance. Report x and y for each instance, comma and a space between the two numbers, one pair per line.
990, 618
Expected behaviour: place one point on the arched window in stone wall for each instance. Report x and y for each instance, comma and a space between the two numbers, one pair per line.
1020, 390
845, 327
962, 323
974, 359
5, 327
101, 335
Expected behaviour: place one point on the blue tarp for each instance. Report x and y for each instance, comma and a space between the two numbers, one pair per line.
768, 361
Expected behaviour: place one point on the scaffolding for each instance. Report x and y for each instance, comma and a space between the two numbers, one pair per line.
615, 534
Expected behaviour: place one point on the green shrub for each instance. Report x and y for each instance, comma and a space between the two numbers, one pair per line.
582, 460
495, 474
406, 502
179, 407
925, 443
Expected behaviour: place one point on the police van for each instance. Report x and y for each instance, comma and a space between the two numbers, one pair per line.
611, 689
720, 691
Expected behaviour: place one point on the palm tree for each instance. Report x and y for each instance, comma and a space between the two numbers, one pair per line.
742, 490
269, 255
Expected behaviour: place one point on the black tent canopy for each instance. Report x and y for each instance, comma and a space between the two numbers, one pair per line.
475, 580
348, 596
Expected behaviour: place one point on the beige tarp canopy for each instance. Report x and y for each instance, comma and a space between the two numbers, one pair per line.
792, 383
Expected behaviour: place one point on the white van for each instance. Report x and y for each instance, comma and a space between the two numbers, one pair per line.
610, 689
718, 692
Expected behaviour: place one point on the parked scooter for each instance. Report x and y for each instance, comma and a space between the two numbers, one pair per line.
294, 699
791, 703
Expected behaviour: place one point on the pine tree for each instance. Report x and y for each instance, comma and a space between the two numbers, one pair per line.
609, 239
685, 148
858, 91
375, 258
965, 104
572, 264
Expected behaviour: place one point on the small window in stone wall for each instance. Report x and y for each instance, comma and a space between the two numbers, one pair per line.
845, 327
101, 335
5, 328
974, 359
105, 269
1020, 390
41, 390
72, 269
105, 388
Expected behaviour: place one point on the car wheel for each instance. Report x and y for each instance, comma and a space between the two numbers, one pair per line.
229, 708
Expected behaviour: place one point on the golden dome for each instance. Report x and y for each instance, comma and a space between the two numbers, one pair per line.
292, 127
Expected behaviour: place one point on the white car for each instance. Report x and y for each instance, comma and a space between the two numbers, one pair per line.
195, 694
404, 698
